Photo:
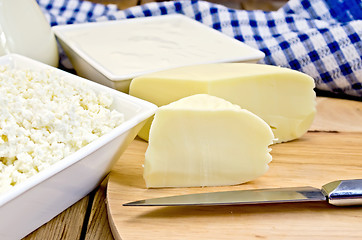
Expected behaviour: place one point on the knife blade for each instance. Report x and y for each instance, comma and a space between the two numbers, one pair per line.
338, 193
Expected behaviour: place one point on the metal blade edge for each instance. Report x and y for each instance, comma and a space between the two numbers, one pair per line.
239, 197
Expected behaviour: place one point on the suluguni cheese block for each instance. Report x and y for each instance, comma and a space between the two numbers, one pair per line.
203, 140
282, 97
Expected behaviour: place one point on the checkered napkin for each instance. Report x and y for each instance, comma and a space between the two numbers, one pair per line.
321, 38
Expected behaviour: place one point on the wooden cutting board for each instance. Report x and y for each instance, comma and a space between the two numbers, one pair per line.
332, 150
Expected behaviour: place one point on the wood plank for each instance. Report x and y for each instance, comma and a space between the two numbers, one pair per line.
121, 4
266, 5
65, 226
340, 115
98, 227
326, 154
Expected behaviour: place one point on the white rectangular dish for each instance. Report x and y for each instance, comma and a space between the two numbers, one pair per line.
30, 204
114, 52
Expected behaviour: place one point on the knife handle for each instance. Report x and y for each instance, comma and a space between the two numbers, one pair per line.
344, 192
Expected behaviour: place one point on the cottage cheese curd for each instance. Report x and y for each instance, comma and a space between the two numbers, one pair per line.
43, 119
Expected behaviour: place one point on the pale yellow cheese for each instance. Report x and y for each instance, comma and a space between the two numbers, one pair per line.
202, 140
284, 98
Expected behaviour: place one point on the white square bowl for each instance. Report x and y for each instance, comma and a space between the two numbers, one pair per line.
114, 52
34, 202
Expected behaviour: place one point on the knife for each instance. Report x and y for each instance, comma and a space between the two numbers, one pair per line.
338, 193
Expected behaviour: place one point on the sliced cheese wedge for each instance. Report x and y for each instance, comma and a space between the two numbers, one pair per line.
284, 98
202, 140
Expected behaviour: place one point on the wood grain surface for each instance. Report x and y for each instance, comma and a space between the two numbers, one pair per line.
74, 223
67, 225
98, 227
331, 151
338, 115
267, 5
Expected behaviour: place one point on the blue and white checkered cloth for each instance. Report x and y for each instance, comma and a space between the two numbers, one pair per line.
321, 38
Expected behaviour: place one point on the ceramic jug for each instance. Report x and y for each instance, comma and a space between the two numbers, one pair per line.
25, 30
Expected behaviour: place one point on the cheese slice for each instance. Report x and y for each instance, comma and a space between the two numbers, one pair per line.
284, 98
202, 140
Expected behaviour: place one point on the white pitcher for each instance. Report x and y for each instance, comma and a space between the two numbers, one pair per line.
25, 30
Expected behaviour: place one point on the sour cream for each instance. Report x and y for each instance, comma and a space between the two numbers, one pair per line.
128, 47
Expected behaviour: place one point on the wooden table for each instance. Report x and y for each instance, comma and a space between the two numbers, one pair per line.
87, 219
267, 5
